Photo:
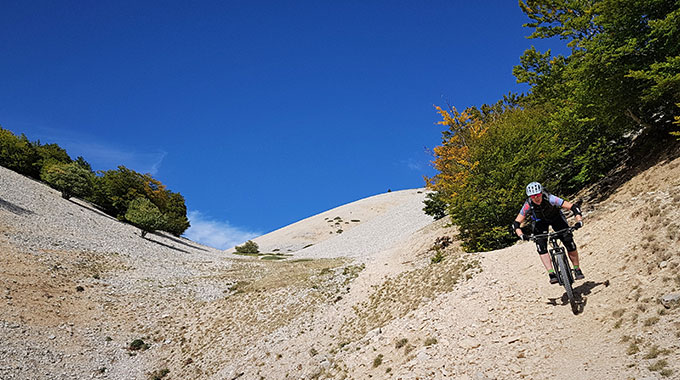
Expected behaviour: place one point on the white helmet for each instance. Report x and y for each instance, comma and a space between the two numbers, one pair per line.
534, 188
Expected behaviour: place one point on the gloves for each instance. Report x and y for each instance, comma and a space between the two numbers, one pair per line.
578, 225
524, 237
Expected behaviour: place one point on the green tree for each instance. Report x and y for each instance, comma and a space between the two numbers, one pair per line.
17, 153
115, 189
70, 179
249, 247
49, 154
622, 76
144, 215
435, 205
86, 165
175, 215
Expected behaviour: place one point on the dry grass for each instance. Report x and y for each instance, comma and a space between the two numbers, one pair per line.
397, 296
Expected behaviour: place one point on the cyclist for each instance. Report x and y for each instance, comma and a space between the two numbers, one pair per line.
546, 210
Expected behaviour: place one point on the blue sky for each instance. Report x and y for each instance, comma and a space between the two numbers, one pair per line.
261, 113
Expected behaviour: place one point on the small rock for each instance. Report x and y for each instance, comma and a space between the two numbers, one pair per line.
670, 300
663, 264
469, 343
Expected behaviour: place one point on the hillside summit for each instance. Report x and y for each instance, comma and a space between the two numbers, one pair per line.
85, 296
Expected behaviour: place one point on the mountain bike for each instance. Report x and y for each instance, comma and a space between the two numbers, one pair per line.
560, 262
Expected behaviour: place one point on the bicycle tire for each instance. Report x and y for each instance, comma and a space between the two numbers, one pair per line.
565, 279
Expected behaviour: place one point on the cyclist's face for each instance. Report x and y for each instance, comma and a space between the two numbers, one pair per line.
537, 198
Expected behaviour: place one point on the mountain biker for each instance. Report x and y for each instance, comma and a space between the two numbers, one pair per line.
546, 210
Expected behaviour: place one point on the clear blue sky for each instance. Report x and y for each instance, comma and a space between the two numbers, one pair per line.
260, 113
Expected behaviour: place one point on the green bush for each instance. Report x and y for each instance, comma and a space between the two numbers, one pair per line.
248, 247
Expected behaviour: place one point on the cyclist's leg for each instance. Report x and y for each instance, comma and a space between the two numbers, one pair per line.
542, 244
567, 239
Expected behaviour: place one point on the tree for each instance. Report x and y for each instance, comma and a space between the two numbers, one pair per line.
17, 153
144, 215
249, 247
175, 215
435, 205
49, 154
115, 189
70, 179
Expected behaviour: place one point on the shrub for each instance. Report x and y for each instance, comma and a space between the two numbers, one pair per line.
137, 345
248, 247
377, 361
438, 256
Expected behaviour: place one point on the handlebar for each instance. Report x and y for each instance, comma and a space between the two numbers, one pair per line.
535, 237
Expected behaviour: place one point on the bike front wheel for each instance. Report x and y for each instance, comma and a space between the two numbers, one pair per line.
565, 279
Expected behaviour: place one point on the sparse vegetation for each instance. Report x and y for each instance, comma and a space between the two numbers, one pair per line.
159, 374
655, 351
377, 361
658, 366
651, 321
438, 257
401, 343
430, 341
138, 345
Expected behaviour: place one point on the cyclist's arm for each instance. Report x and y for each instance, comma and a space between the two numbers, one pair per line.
523, 212
570, 206
518, 221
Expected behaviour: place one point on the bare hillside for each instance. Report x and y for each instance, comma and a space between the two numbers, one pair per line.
86, 297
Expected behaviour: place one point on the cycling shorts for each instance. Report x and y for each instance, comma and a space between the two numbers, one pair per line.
558, 223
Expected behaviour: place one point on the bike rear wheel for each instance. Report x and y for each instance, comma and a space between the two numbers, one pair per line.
565, 279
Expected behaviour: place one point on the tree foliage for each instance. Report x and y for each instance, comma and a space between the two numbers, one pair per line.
70, 179
620, 80
144, 214
111, 190
249, 247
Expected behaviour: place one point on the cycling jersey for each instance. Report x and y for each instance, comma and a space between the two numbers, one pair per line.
549, 209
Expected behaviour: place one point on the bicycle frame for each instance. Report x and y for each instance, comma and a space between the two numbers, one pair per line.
557, 253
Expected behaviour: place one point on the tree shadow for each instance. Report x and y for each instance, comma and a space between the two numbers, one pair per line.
656, 147
166, 245
179, 241
11, 207
580, 292
85, 205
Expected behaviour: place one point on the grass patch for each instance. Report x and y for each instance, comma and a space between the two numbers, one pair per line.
400, 343
658, 366
633, 348
397, 296
655, 351
377, 361
430, 341
651, 321
159, 374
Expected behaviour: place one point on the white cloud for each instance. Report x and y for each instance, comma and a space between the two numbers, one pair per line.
101, 155
213, 233
412, 164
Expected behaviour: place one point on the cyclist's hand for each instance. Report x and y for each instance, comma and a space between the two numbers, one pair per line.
524, 237
578, 225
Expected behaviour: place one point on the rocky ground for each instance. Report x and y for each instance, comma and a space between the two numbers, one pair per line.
84, 296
